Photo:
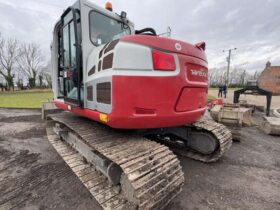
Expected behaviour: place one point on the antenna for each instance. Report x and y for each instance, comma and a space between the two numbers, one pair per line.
167, 33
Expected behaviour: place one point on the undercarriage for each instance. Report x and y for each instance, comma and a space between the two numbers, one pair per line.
204, 140
125, 169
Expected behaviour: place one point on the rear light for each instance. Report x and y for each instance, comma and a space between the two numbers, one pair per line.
163, 61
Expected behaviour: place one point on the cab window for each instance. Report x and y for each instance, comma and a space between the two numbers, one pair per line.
69, 45
104, 29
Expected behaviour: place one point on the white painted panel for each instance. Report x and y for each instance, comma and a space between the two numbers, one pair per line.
128, 56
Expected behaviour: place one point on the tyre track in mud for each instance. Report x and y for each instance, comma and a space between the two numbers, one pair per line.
23, 187
16, 190
26, 178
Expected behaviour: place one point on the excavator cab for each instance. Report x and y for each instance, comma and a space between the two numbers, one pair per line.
99, 27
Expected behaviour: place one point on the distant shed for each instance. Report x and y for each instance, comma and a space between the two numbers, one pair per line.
270, 79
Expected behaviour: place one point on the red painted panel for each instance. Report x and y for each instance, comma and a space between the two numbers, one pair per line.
191, 99
157, 95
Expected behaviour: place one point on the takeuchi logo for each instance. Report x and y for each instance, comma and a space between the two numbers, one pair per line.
199, 73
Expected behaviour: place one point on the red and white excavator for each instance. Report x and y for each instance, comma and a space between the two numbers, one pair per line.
136, 99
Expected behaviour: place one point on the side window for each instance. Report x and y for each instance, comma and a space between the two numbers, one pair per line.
69, 45
72, 44
66, 44
60, 50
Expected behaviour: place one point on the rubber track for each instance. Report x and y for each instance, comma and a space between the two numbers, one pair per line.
222, 134
152, 169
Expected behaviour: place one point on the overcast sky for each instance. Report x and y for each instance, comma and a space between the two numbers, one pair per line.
252, 26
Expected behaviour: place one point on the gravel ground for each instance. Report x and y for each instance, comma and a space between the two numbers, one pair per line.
33, 176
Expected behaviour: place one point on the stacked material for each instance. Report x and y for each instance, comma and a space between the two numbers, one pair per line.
271, 125
276, 112
233, 116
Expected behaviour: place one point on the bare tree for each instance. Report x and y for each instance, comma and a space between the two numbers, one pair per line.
30, 62
8, 55
47, 76
211, 74
216, 76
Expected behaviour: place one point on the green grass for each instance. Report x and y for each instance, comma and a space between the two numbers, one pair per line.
33, 98
25, 99
210, 98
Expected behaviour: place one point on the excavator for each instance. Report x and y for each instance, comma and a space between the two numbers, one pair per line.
131, 101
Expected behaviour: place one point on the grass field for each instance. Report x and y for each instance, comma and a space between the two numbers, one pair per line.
210, 98
31, 98
25, 99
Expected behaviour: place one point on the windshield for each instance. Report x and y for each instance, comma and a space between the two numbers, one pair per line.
104, 29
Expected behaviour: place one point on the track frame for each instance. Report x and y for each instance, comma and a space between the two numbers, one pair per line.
151, 174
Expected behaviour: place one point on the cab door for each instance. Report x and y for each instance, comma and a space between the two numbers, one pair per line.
71, 57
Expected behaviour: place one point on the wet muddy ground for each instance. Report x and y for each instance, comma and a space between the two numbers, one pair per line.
33, 176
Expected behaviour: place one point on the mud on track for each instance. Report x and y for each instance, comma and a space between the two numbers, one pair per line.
33, 176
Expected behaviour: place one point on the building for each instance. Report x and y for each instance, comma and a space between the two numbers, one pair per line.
270, 79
